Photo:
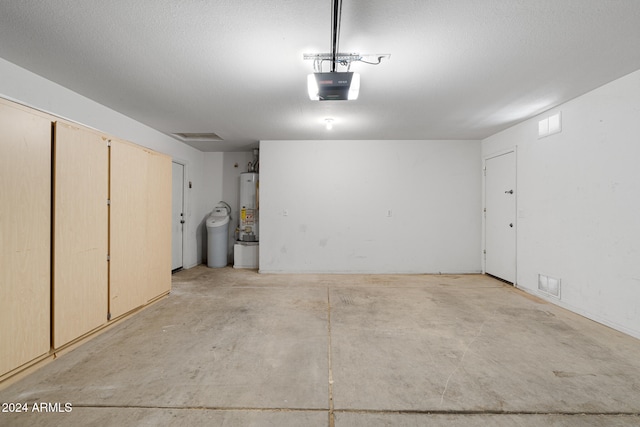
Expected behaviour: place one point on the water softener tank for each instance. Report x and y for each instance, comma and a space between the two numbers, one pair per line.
217, 237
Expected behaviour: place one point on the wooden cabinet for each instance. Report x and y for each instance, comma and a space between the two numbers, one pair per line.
25, 235
140, 265
81, 226
128, 227
57, 229
158, 238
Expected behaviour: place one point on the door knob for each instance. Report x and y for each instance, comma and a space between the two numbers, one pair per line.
509, 192
182, 221
511, 225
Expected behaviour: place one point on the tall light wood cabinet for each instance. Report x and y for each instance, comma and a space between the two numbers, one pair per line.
69, 198
128, 228
140, 233
81, 227
158, 239
25, 239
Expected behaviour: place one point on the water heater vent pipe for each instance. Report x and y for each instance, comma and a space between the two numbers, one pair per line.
255, 165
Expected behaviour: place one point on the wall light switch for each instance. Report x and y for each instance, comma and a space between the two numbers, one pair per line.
389, 213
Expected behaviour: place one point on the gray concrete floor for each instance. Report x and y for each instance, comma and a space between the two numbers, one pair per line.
236, 348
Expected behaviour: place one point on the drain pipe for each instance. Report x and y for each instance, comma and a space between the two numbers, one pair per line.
227, 206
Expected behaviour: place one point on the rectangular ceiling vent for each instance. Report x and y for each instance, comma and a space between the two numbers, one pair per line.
192, 137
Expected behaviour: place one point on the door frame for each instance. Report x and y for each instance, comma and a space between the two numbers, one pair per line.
185, 226
513, 150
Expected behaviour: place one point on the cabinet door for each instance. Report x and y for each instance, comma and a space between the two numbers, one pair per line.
25, 236
158, 225
140, 227
81, 185
128, 228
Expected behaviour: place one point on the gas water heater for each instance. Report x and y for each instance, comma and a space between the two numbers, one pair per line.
248, 227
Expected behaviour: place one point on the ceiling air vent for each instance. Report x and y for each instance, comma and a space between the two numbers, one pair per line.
193, 137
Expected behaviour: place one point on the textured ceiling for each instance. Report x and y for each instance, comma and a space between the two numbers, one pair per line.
459, 69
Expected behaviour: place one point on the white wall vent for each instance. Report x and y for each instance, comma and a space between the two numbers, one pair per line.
549, 285
549, 125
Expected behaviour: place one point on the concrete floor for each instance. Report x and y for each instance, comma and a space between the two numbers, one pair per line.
236, 348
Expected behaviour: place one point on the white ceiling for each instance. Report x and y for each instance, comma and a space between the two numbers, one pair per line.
459, 69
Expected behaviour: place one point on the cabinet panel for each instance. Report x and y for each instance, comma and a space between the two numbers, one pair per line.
140, 233
25, 236
128, 227
81, 184
158, 225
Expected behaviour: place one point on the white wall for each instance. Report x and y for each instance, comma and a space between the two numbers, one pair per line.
337, 195
20, 85
578, 198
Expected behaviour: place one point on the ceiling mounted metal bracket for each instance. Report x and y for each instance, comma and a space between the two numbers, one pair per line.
344, 59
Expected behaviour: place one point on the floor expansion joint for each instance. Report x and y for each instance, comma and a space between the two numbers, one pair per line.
331, 409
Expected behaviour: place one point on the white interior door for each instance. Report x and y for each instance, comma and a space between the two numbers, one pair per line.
177, 215
500, 216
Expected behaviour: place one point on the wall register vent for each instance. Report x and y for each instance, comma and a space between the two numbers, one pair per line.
549, 285
550, 125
